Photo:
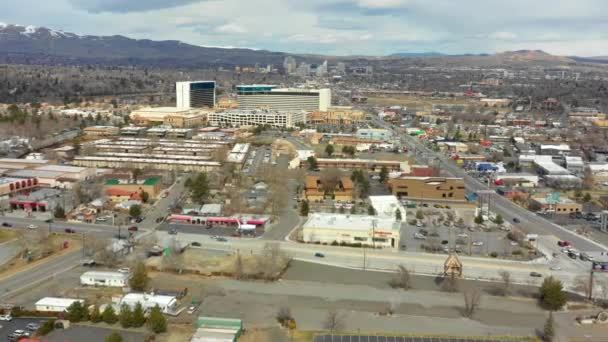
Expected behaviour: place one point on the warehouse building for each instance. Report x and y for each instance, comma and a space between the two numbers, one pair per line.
241, 118
370, 165
169, 116
351, 229
55, 304
161, 164
101, 131
262, 96
100, 278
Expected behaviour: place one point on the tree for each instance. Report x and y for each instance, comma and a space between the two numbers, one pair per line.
398, 215
499, 220
135, 210
329, 150
125, 316
114, 337
198, 187
350, 150
371, 211
312, 163
109, 315
59, 213
581, 284
77, 312
157, 321
138, 317
419, 215
46, 328
144, 196
506, 281
333, 321
479, 219
139, 279
304, 208
587, 197
552, 295
402, 279
472, 299
588, 179
549, 329
95, 316
383, 174
284, 315
239, 272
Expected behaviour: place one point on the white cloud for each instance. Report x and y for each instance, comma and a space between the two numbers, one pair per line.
381, 3
329, 38
230, 28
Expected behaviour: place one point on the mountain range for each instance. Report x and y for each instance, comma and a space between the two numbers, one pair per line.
40, 45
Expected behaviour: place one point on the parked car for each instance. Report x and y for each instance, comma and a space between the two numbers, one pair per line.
516, 220
319, 255
444, 242
32, 326
69, 230
192, 309
6, 318
124, 270
564, 243
221, 239
21, 333
196, 244
477, 243
535, 274
6, 224
419, 236
89, 263
555, 268
32, 226
423, 232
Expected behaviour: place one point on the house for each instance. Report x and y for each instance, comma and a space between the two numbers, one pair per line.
55, 304
148, 301
119, 195
100, 278
315, 189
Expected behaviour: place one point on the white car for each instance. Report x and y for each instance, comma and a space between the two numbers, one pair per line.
555, 268
6, 318
419, 236
32, 226
462, 236
124, 270
478, 243
192, 309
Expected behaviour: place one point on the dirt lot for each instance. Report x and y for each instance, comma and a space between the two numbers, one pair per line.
7, 235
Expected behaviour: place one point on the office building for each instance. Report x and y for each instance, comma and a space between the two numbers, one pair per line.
290, 65
428, 188
338, 115
197, 94
240, 118
169, 116
270, 97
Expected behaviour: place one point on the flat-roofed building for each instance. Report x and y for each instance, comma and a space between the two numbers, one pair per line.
195, 94
338, 115
12, 185
104, 278
429, 188
241, 118
154, 163
373, 134
558, 205
101, 131
364, 164
315, 189
171, 116
263, 96
352, 229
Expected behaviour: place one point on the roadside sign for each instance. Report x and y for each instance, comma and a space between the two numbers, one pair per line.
599, 266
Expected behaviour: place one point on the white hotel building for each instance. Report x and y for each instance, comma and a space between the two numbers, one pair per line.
238, 118
263, 96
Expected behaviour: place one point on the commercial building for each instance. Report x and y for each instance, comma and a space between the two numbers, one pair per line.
370, 165
559, 205
238, 153
169, 116
516, 179
343, 190
55, 304
12, 185
101, 131
240, 118
428, 188
101, 278
338, 115
351, 229
373, 134
142, 163
387, 206
197, 94
263, 96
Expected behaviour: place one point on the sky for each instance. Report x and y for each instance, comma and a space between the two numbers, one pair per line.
335, 27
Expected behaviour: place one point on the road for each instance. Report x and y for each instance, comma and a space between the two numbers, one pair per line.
529, 222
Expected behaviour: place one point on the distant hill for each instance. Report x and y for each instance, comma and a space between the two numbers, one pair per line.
418, 54
40, 45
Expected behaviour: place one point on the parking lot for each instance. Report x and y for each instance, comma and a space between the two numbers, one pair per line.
7, 328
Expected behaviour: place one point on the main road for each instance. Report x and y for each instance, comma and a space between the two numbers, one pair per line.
529, 222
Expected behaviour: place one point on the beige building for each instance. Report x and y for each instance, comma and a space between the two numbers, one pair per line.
429, 188
338, 115
171, 116
364, 164
561, 206
101, 131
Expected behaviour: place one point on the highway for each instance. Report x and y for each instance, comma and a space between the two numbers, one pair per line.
529, 222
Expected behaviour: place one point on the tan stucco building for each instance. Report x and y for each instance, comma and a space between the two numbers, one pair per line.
429, 188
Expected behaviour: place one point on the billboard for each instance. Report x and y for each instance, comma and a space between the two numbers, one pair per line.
599, 266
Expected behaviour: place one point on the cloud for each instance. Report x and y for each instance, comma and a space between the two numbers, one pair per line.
381, 3
124, 6
230, 28
503, 35
331, 38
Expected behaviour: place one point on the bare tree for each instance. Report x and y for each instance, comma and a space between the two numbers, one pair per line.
272, 261
582, 284
101, 251
284, 315
450, 284
174, 260
472, 300
238, 268
330, 178
603, 284
506, 281
333, 321
402, 279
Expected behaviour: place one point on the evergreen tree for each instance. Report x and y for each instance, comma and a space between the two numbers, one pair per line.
139, 279
96, 315
77, 312
59, 212
398, 215
549, 329
139, 317
371, 210
499, 220
157, 321
329, 150
125, 316
114, 337
383, 174
109, 315
552, 294
304, 208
